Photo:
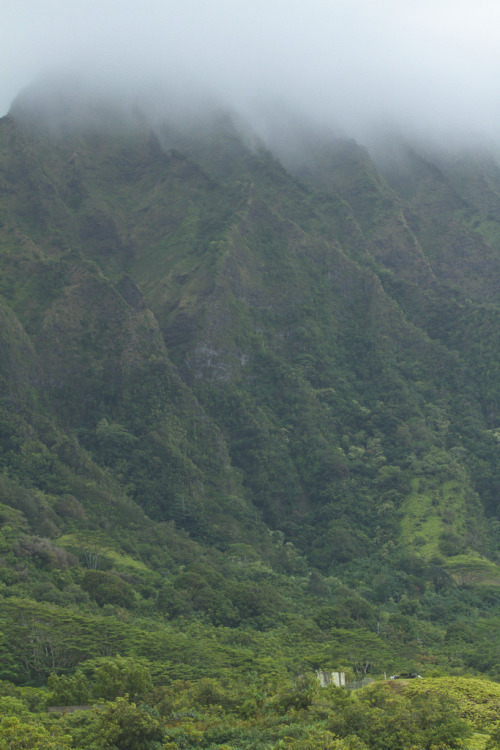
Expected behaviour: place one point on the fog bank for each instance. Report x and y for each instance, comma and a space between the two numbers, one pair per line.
421, 67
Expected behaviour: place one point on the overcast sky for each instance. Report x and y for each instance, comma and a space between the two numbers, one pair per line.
430, 63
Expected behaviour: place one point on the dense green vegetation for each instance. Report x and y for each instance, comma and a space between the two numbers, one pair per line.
255, 713
248, 430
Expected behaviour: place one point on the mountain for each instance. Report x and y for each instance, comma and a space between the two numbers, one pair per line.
250, 407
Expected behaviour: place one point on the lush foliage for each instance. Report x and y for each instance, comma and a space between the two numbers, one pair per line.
266, 713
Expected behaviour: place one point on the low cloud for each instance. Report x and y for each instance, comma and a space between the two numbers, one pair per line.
427, 67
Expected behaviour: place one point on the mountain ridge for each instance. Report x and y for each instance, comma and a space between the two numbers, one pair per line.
272, 389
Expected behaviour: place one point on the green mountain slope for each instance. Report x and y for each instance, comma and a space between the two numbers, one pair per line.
248, 413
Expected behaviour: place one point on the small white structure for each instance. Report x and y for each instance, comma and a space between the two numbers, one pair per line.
330, 678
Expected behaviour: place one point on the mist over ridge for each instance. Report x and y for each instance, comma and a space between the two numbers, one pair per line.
424, 69
75, 101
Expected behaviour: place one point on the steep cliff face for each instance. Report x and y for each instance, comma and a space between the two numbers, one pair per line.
211, 326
